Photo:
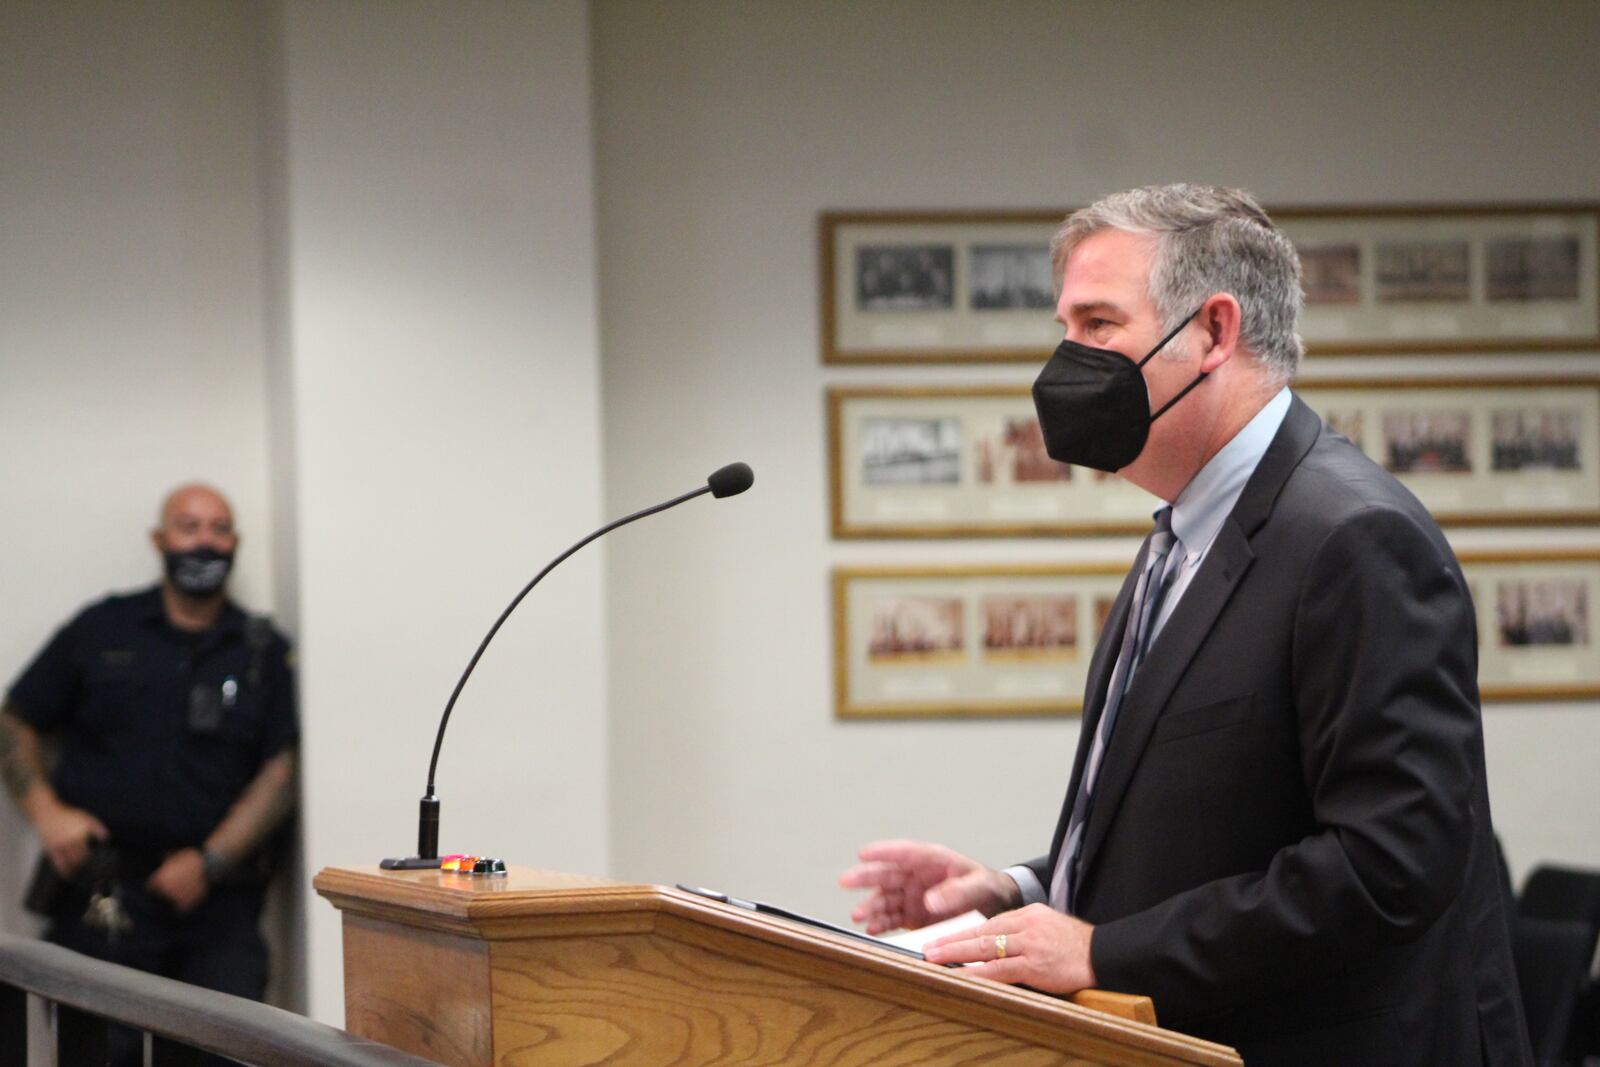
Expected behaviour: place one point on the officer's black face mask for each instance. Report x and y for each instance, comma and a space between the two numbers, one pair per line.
1094, 405
199, 572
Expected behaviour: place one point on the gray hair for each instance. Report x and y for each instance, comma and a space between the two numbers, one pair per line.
1209, 240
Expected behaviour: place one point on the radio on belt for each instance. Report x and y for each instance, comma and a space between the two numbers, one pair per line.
461, 863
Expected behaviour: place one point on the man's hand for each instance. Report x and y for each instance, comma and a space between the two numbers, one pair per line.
1043, 949
181, 880
914, 883
65, 833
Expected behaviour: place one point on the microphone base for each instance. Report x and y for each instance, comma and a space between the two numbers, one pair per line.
410, 863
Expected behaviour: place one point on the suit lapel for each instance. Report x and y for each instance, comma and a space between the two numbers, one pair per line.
1185, 631
1187, 628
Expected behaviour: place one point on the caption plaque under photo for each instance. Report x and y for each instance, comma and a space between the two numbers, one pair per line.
934, 642
934, 287
960, 461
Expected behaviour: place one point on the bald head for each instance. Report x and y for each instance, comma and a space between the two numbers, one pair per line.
192, 499
196, 539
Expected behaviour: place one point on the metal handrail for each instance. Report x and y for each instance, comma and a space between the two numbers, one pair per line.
242, 1030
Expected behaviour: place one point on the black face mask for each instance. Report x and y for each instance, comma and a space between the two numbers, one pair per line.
1094, 405
199, 572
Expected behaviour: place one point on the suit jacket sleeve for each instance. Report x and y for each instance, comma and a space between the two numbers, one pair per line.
1385, 703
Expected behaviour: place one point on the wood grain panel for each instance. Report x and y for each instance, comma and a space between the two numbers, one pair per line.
643, 1001
857, 971
547, 968
420, 990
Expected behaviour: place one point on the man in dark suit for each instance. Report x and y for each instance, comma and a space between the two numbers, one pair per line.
1277, 823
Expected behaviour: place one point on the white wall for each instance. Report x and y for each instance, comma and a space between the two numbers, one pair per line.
722, 131
131, 352
443, 376
342, 265
340, 258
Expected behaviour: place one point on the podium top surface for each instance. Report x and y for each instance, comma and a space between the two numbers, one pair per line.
451, 898
532, 903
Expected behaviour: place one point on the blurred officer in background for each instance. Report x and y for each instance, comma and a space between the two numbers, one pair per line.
171, 714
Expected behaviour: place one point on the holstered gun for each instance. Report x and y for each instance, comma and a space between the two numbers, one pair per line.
48, 891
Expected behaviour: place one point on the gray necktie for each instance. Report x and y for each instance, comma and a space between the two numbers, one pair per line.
1154, 581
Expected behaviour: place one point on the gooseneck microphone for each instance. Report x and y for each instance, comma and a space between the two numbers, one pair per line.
730, 480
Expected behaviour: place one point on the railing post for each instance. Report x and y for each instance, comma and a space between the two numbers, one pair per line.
13, 1025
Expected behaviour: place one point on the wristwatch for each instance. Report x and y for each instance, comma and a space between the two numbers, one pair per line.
214, 866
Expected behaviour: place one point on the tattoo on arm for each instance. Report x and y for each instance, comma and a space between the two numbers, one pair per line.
19, 754
259, 810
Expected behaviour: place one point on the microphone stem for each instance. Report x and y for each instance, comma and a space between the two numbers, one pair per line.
438, 742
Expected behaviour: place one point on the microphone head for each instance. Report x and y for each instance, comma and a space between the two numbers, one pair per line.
731, 480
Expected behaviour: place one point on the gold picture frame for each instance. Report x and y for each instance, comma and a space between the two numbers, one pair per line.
1005, 641
976, 286
967, 641
968, 461
911, 287
1462, 278
1537, 638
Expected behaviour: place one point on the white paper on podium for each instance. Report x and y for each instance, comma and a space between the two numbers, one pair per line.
915, 939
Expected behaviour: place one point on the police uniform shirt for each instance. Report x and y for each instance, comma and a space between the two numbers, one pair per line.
159, 730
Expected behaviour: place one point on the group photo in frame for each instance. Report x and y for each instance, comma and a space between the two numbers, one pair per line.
938, 287
967, 641
1480, 451
969, 461
955, 461
1481, 278
1001, 641
1536, 623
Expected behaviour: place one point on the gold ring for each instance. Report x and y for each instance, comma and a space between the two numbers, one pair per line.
999, 946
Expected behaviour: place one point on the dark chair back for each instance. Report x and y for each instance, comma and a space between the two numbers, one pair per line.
1551, 897
1552, 957
1562, 893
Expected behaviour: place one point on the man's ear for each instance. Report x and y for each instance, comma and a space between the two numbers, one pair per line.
1219, 319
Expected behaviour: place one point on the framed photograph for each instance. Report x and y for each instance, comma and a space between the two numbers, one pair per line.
1537, 637
1481, 451
962, 462
967, 641
978, 286
970, 461
952, 641
938, 287
1482, 278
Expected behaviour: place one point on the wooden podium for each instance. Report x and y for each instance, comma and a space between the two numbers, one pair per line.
556, 969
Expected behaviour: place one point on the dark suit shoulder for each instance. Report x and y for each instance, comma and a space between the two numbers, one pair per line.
1336, 482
